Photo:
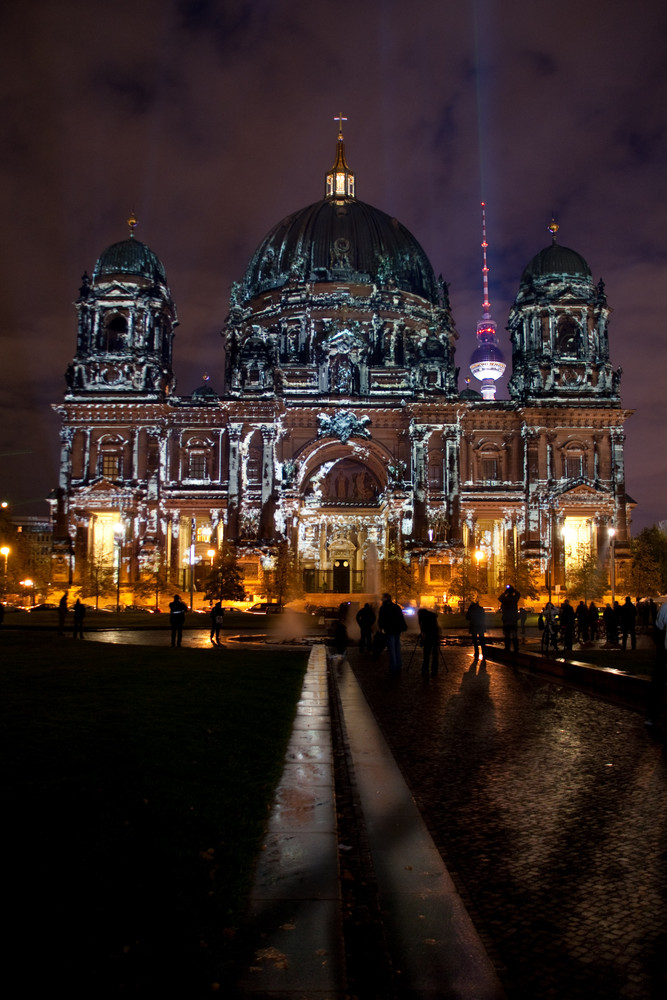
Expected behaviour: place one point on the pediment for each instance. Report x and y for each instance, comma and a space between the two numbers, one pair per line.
580, 489
102, 487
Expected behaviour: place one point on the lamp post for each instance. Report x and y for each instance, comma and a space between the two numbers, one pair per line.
479, 555
612, 558
193, 529
118, 531
5, 550
30, 584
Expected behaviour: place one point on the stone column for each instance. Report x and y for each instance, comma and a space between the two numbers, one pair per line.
617, 437
234, 493
66, 437
418, 438
268, 462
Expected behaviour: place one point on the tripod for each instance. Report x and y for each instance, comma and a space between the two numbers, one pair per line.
419, 643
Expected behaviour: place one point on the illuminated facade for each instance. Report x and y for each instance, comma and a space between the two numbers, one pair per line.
340, 427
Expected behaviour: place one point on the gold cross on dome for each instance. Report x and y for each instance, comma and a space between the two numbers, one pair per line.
340, 119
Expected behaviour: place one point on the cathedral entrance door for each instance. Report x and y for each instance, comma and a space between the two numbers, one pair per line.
341, 576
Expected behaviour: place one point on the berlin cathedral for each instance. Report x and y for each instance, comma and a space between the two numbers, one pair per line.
340, 428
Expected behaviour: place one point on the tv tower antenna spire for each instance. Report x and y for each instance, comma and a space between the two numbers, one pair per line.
486, 305
487, 362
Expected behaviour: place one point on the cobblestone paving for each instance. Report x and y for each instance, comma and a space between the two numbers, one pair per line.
550, 810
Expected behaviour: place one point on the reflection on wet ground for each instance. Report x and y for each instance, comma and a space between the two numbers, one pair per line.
151, 637
551, 807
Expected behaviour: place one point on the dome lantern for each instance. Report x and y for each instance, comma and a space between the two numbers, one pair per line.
340, 179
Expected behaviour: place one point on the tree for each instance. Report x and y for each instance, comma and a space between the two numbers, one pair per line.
98, 578
464, 580
224, 582
586, 579
646, 573
150, 586
282, 582
526, 579
397, 577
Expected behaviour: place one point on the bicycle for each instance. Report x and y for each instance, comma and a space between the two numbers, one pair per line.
549, 637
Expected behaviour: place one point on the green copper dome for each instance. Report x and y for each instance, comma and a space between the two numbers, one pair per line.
132, 258
556, 260
340, 239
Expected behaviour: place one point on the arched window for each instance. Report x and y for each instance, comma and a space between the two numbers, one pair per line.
114, 334
568, 336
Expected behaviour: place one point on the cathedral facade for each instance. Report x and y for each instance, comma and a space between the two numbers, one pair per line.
340, 428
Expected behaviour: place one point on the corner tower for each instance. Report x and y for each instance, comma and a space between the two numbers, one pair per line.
558, 328
126, 321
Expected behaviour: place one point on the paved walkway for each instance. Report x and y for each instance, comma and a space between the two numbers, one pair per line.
296, 908
549, 807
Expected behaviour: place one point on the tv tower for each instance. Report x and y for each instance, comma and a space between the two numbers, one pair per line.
487, 362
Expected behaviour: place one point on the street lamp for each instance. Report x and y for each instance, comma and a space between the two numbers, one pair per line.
211, 554
612, 557
5, 550
118, 531
479, 555
28, 584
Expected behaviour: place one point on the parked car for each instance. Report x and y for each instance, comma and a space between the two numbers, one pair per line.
139, 607
44, 607
264, 608
326, 614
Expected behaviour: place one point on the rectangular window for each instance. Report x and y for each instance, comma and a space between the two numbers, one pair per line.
111, 465
574, 466
489, 470
435, 476
197, 465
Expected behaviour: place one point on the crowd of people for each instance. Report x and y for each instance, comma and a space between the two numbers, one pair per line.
381, 628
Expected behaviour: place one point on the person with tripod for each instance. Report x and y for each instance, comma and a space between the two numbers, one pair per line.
477, 618
429, 638
551, 628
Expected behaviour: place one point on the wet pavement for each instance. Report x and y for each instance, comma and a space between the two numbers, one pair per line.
547, 805
549, 808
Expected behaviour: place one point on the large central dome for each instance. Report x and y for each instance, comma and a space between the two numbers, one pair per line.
340, 239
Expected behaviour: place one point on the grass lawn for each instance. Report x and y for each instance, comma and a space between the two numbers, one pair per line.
136, 783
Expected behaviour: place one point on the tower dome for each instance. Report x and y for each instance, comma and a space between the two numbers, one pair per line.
556, 260
130, 258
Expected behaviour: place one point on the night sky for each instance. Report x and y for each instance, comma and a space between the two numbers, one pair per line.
213, 120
